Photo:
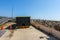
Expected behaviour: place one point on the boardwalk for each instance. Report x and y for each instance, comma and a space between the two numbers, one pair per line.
27, 34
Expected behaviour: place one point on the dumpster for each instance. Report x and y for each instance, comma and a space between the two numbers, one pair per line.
23, 22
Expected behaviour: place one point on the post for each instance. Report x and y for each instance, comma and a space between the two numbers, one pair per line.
2, 27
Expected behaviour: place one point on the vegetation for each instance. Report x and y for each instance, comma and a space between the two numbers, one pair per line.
57, 27
48, 23
0, 17
0, 26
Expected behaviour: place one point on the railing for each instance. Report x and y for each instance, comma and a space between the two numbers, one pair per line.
3, 20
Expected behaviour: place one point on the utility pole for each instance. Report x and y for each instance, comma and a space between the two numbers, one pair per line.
12, 11
12, 8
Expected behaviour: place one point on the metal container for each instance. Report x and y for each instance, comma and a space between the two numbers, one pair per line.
23, 21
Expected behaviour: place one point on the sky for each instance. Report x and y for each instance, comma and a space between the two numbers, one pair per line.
36, 9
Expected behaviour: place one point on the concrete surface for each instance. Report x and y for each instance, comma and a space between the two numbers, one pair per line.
25, 34
5, 36
2, 32
28, 34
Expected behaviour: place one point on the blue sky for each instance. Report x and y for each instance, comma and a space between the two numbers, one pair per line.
37, 9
